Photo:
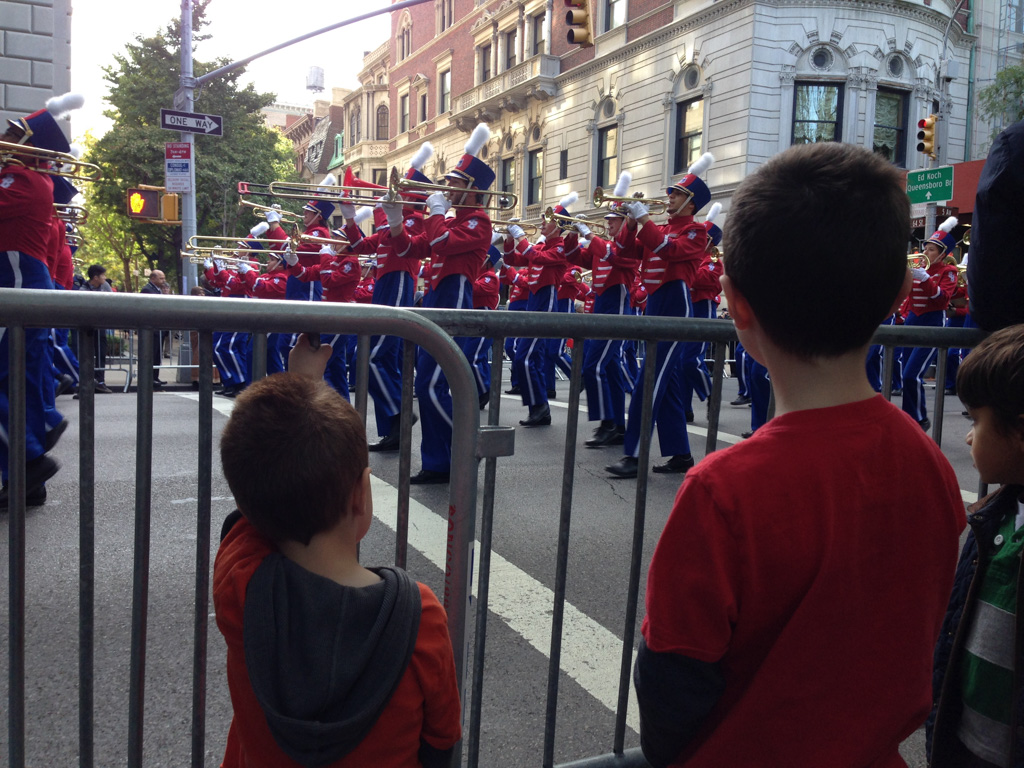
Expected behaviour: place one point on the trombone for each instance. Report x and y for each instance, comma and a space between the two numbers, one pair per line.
654, 205
200, 255
269, 246
397, 185
297, 191
501, 227
335, 242
966, 239
74, 239
71, 214
261, 211
64, 164
568, 222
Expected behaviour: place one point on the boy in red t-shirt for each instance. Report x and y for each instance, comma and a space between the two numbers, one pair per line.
328, 663
798, 586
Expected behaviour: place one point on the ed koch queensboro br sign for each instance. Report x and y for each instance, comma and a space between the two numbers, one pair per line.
192, 122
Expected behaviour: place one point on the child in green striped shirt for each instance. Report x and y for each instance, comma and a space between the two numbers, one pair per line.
979, 713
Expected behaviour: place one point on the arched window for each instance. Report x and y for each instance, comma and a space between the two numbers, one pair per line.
383, 123
405, 37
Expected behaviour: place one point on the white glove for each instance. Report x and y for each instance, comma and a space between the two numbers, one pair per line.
348, 210
437, 203
920, 275
584, 242
290, 257
541, 240
217, 265
516, 231
243, 268
329, 249
496, 237
207, 264
393, 210
582, 228
636, 209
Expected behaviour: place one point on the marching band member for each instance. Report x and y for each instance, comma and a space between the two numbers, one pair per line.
304, 261
65, 362
704, 297
930, 294
673, 255
275, 231
958, 315
518, 300
273, 284
457, 248
547, 264
394, 286
26, 211
486, 294
339, 275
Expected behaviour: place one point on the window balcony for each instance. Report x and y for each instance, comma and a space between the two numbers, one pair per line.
365, 150
508, 91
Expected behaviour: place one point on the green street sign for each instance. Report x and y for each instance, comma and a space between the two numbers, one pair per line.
930, 185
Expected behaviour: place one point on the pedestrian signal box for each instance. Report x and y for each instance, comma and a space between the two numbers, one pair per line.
926, 135
169, 207
580, 19
143, 203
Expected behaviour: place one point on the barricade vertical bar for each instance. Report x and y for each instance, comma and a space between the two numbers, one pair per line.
204, 493
404, 456
16, 489
629, 629
140, 581
484, 579
259, 358
562, 557
888, 363
86, 546
362, 373
940, 395
715, 400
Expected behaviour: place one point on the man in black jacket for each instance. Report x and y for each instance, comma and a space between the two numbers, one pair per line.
156, 284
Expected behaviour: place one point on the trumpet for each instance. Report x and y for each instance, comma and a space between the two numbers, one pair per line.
654, 205
269, 246
72, 214
568, 222
397, 185
917, 261
261, 211
716, 254
64, 164
501, 227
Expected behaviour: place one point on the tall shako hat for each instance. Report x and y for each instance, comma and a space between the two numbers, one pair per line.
942, 236
562, 209
258, 231
41, 127
714, 231
692, 186
415, 172
324, 207
63, 191
471, 168
615, 210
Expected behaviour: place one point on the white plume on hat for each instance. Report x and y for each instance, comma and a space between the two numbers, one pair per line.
569, 199
424, 153
948, 224
480, 136
329, 181
622, 185
713, 213
260, 229
963, 261
703, 163
75, 151
58, 106
363, 213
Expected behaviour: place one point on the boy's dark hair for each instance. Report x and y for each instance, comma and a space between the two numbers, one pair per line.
96, 269
292, 453
992, 376
816, 242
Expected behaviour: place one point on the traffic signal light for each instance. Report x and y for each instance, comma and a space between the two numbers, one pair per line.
169, 207
580, 21
926, 135
143, 203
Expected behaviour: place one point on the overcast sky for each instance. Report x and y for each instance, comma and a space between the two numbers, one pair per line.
239, 28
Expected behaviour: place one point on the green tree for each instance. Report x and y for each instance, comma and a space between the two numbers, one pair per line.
1004, 97
143, 79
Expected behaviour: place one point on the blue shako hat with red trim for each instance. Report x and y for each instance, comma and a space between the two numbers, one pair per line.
471, 168
324, 207
942, 236
63, 190
258, 231
41, 128
714, 231
615, 210
692, 185
415, 172
562, 209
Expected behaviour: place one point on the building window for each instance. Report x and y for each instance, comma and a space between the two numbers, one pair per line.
890, 138
446, 18
1015, 16
403, 113
444, 92
422, 116
607, 156
535, 177
485, 63
383, 123
355, 128
817, 113
380, 177
510, 49
563, 164
405, 42
537, 24
689, 133
614, 14
508, 175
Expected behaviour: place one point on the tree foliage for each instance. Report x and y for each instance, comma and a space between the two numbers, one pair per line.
143, 79
1004, 97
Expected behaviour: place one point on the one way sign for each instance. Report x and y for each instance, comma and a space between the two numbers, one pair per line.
192, 122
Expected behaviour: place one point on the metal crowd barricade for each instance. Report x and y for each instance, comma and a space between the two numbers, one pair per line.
430, 329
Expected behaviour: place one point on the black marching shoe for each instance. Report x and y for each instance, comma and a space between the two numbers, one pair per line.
65, 384
925, 424
689, 417
429, 477
741, 400
485, 398
50, 441
552, 394
37, 472
386, 444
158, 383
607, 434
540, 416
676, 465
625, 467
513, 391
747, 435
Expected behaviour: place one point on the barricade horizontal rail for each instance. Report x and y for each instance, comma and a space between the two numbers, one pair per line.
431, 329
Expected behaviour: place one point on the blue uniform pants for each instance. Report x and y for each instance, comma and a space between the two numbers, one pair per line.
760, 389
916, 364
395, 289
511, 343
64, 360
955, 355
531, 361
875, 363
696, 377
603, 374
336, 373
230, 355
